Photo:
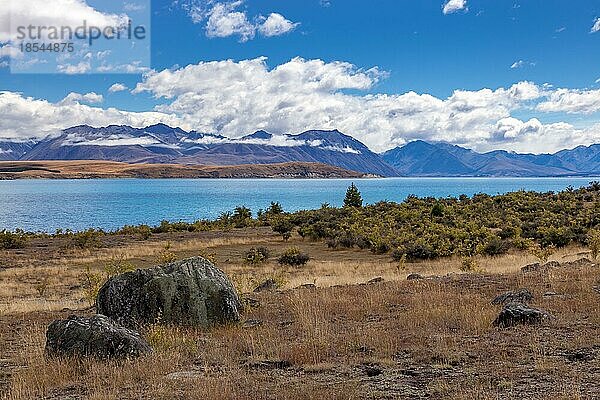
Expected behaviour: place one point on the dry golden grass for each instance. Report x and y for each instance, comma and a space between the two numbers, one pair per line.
52, 278
441, 327
430, 338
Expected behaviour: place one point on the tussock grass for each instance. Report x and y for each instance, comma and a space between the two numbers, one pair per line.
439, 327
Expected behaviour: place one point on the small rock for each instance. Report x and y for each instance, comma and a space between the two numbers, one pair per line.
251, 302
251, 323
308, 286
180, 375
582, 262
414, 277
551, 294
379, 279
537, 267
269, 284
372, 370
518, 296
97, 336
579, 355
531, 267
270, 364
519, 314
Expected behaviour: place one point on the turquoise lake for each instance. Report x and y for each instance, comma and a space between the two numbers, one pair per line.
45, 205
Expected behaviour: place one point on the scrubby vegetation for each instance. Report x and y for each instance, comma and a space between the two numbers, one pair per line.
12, 240
416, 229
293, 257
428, 228
257, 256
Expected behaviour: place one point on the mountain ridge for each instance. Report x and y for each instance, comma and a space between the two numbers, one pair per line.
162, 144
580, 161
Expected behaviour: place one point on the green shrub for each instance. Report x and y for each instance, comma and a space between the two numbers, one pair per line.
418, 250
12, 240
274, 209
379, 246
87, 239
344, 241
256, 255
437, 210
495, 247
242, 217
293, 257
553, 236
144, 231
165, 255
542, 253
469, 264
283, 226
594, 242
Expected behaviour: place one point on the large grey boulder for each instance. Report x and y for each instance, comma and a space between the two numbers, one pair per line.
95, 336
189, 292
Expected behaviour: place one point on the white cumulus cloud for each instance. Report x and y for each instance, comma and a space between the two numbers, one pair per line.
452, 6
226, 18
233, 98
571, 101
275, 25
224, 21
90, 98
117, 87
596, 26
26, 117
236, 98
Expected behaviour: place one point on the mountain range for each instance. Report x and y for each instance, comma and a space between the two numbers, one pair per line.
421, 158
161, 144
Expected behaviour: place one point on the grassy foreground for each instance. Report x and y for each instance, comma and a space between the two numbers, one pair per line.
342, 339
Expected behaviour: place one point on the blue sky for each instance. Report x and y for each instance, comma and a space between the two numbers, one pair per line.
415, 46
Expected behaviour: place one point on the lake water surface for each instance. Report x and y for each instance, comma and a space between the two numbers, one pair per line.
45, 205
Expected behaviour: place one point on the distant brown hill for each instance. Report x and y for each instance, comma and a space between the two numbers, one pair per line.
108, 169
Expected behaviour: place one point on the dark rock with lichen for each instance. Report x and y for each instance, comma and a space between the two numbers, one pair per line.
518, 296
97, 336
191, 292
520, 314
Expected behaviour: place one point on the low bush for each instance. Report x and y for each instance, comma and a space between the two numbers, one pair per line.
87, 239
283, 226
594, 242
469, 264
416, 250
165, 255
495, 247
12, 240
256, 256
293, 257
